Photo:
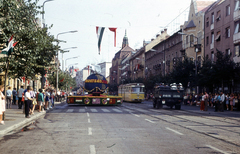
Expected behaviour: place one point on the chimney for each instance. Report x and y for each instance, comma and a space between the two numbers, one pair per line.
165, 30
181, 26
152, 39
162, 31
157, 35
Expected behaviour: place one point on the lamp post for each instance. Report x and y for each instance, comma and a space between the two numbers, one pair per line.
58, 58
68, 59
43, 21
197, 47
63, 51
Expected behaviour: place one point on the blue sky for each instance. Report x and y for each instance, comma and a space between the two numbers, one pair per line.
142, 19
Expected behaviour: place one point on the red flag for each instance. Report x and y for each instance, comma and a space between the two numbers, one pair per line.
23, 78
114, 30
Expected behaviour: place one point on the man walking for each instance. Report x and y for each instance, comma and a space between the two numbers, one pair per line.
14, 93
20, 102
222, 102
9, 98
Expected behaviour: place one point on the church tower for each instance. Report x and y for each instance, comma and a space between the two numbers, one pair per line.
125, 40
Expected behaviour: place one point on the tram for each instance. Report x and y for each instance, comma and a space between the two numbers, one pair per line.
131, 92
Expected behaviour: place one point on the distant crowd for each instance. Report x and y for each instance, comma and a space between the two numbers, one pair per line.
220, 101
28, 99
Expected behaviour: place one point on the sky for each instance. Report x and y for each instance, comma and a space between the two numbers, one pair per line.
142, 20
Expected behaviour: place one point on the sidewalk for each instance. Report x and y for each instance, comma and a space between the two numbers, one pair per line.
16, 119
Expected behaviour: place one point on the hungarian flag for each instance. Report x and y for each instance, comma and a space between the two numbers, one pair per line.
114, 30
10, 45
99, 31
62, 80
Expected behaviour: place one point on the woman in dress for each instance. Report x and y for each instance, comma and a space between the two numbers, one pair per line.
2, 104
227, 101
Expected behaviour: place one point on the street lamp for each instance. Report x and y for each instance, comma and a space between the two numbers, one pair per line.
43, 21
57, 56
197, 49
63, 51
68, 59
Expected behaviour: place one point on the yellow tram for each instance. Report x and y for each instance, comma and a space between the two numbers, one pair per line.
131, 92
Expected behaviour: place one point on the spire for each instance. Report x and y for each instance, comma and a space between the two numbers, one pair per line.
125, 40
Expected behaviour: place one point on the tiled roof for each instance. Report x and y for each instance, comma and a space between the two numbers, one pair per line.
203, 5
127, 48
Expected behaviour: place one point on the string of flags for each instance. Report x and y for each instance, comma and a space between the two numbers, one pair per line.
100, 31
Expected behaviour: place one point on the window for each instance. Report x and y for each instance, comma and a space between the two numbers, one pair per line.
218, 37
212, 20
207, 24
207, 40
228, 10
228, 51
218, 15
207, 57
191, 40
236, 27
228, 32
212, 41
186, 39
237, 50
199, 38
212, 56
237, 7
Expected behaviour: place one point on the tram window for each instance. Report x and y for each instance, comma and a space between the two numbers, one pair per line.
142, 89
135, 89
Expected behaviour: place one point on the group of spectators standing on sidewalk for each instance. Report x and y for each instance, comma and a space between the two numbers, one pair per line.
27, 100
219, 101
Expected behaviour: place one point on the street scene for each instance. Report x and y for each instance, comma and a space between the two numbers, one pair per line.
129, 128
123, 77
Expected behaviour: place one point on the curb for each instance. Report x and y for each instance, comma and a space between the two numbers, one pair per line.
22, 123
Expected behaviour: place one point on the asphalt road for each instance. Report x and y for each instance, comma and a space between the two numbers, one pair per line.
132, 128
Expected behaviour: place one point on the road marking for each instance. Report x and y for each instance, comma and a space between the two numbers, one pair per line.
134, 114
70, 110
85, 107
92, 149
89, 131
127, 110
174, 131
93, 110
87, 114
150, 121
105, 110
81, 110
116, 110
89, 121
217, 149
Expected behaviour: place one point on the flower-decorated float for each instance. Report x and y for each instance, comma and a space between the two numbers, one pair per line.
96, 86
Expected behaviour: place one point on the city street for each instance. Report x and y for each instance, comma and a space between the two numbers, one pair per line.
133, 128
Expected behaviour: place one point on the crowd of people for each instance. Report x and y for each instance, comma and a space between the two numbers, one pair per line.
28, 99
220, 101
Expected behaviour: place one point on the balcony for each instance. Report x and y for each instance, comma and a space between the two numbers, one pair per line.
236, 38
211, 46
212, 26
236, 14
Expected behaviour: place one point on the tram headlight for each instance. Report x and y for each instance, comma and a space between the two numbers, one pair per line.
108, 99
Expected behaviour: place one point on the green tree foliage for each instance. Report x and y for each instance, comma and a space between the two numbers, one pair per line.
64, 80
35, 49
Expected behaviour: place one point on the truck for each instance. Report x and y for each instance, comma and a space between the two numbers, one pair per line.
169, 95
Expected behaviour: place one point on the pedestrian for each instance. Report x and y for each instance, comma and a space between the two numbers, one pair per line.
40, 100
28, 101
231, 98
202, 103
58, 95
46, 99
2, 104
206, 99
53, 97
9, 98
34, 102
218, 100
20, 94
14, 93
222, 102
227, 101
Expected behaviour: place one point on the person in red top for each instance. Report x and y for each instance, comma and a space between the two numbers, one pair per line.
206, 101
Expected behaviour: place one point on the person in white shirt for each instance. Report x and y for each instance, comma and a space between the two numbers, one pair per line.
28, 101
20, 94
9, 98
222, 102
